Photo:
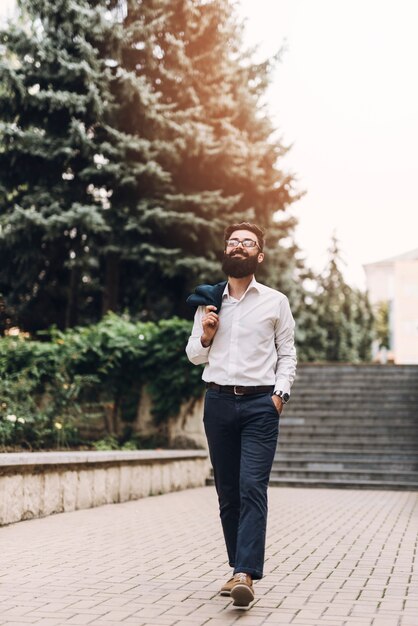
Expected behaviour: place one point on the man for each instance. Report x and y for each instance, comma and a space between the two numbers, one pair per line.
248, 348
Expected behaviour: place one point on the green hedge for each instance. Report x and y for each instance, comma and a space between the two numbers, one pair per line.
44, 384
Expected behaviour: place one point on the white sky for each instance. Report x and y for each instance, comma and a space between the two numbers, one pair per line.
7, 8
346, 96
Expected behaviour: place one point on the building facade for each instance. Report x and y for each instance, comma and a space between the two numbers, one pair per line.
395, 281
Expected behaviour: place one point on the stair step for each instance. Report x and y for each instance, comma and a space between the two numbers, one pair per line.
374, 406
338, 484
321, 439
357, 377
348, 484
350, 426
329, 444
345, 454
342, 428
342, 474
336, 464
351, 417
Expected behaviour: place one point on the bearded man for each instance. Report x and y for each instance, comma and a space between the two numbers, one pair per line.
247, 346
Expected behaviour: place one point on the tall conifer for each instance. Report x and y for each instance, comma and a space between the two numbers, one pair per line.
133, 132
341, 315
68, 167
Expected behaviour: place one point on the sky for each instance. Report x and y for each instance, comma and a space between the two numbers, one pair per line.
345, 97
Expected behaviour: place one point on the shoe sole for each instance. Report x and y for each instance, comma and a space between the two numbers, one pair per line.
247, 607
243, 596
243, 608
225, 593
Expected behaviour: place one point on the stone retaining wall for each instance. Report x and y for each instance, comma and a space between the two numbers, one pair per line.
37, 484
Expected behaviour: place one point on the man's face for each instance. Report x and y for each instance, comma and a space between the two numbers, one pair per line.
239, 260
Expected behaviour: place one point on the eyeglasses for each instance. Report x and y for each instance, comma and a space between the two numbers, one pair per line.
246, 243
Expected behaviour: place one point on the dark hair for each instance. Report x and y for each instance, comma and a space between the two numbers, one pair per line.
253, 228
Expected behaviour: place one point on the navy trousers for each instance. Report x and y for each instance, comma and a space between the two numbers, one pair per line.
242, 436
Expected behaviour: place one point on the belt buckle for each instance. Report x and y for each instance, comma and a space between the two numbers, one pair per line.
236, 393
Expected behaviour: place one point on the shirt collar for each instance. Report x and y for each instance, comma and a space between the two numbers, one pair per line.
253, 285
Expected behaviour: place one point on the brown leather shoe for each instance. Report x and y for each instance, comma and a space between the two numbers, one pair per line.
226, 588
242, 591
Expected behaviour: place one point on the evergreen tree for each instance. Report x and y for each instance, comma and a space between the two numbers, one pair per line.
340, 318
364, 321
222, 160
67, 165
51, 98
132, 134
310, 333
381, 326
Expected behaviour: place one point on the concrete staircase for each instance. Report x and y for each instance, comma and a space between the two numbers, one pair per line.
353, 426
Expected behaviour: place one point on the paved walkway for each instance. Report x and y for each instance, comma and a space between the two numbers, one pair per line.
334, 557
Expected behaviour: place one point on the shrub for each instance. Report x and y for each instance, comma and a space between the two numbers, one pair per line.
47, 383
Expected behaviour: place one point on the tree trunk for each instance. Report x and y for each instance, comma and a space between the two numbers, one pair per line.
111, 287
71, 312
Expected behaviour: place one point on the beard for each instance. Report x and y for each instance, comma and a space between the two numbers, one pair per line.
239, 267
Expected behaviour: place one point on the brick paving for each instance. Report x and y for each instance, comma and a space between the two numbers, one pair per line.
334, 557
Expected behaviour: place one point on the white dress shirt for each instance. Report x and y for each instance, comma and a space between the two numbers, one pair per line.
254, 343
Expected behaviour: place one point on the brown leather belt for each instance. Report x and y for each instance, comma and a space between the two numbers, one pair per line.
239, 390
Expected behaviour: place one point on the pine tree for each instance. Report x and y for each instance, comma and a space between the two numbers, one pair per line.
52, 96
365, 325
67, 165
132, 134
223, 162
382, 324
342, 318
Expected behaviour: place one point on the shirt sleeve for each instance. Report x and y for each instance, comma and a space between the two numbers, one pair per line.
285, 346
196, 353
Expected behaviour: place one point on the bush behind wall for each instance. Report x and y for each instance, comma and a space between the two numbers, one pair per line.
45, 384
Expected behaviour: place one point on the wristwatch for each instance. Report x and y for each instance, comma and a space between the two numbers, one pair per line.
284, 396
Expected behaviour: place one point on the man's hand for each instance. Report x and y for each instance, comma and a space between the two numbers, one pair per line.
210, 323
278, 402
